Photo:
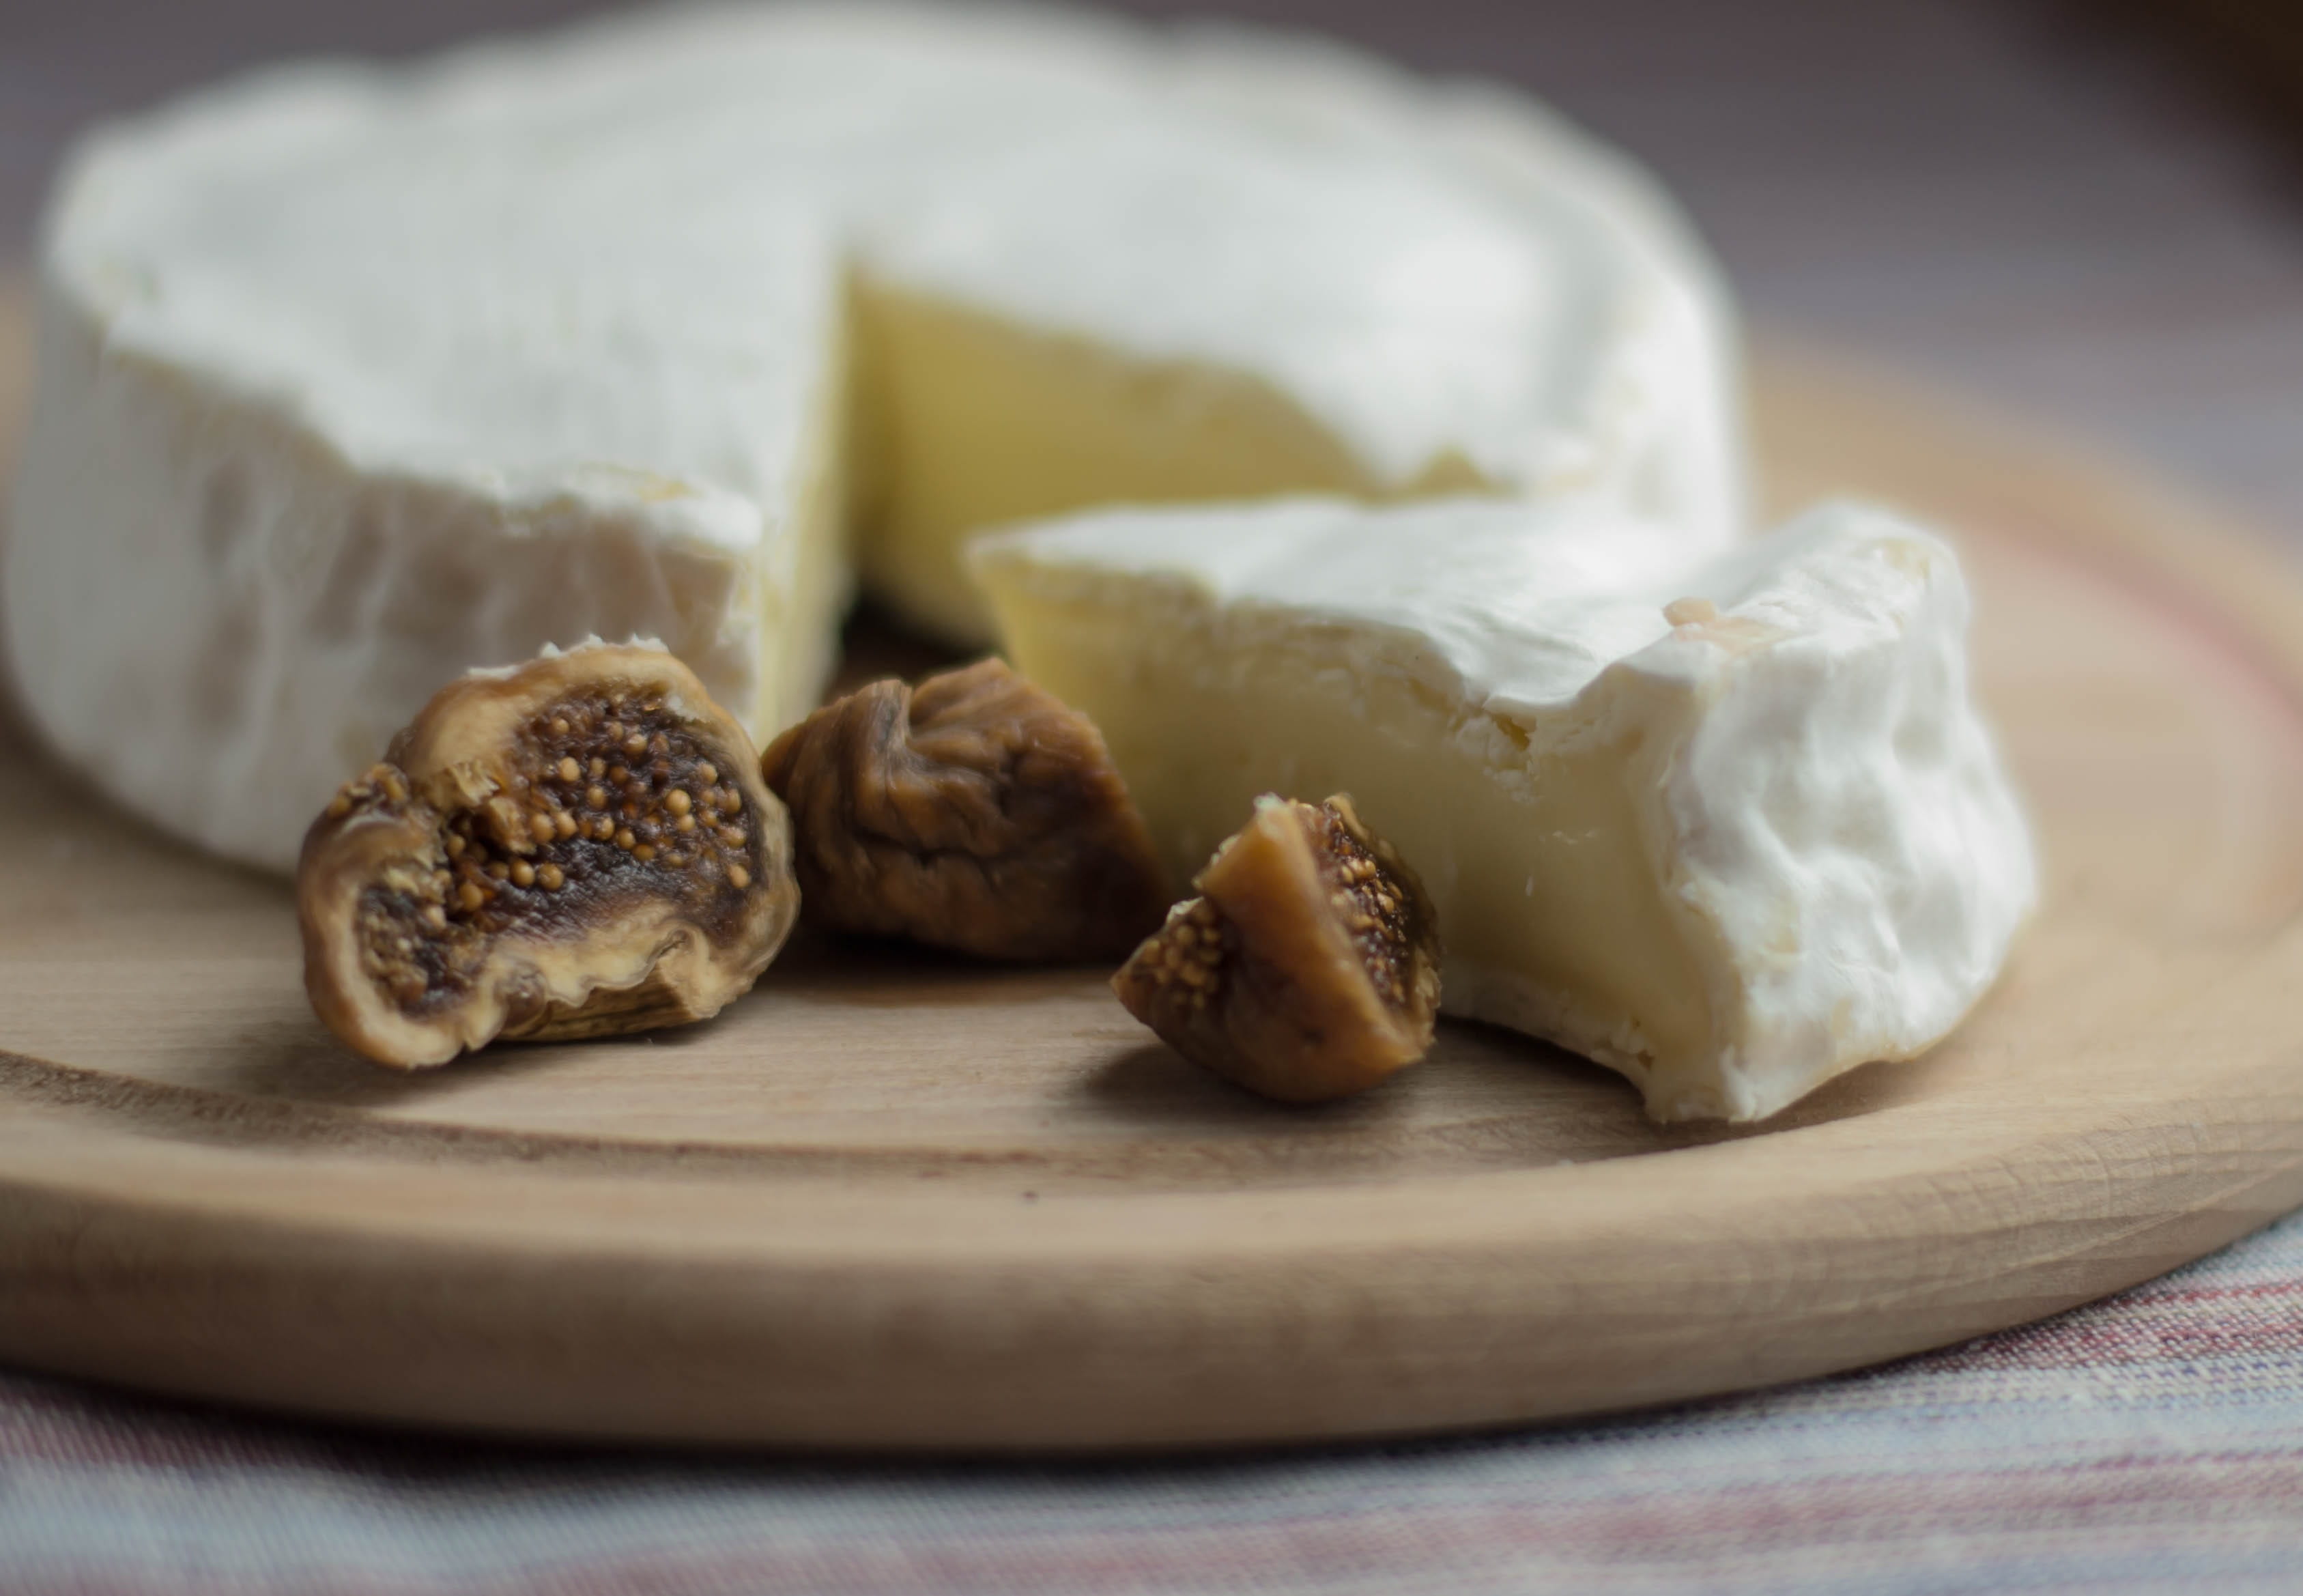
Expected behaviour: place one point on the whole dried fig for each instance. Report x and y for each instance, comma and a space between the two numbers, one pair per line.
974, 813
1308, 966
576, 846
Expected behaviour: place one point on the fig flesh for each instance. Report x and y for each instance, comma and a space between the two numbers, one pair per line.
579, 846
1307, 968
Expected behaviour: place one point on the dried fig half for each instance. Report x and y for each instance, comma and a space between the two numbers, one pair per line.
1307, 968
975, 813
579, 846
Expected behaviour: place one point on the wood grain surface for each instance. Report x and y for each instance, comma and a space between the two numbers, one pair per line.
894, 1202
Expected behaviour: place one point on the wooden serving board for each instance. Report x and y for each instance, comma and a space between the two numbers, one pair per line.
902, 1202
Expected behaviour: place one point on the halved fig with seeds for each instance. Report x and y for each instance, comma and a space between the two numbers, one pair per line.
579, 846
975, 813
1307, 968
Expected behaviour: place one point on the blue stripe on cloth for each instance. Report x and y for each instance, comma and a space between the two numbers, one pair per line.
2151, 1443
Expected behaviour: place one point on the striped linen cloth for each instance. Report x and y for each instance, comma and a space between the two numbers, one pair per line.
2152, 1442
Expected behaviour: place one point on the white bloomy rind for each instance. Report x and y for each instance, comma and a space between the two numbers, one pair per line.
352, 378
1754, 793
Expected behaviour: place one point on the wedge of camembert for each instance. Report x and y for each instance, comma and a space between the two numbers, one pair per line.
352, 378
1729, 827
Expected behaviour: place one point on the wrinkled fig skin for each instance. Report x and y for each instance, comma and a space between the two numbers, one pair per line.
1308, 968
578, 847
975, 813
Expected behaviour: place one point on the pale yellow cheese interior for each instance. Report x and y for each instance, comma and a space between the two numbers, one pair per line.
964, 421
1554, 917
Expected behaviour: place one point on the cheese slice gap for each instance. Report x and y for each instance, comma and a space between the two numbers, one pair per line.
1729, 828
352, 378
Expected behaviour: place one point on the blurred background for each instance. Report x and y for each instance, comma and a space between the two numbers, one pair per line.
2091, 210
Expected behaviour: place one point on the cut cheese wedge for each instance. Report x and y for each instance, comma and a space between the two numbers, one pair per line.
352, 378
1730, 828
